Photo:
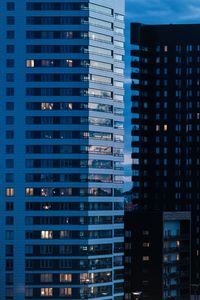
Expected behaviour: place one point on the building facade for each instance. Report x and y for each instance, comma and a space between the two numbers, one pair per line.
62, 149
157, 260
166, 126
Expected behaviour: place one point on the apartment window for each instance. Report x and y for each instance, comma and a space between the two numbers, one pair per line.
9, 192
9, 149
9, 105
9, 206
30, 63
10, 20
146, 244
9, 220
65, 292
10, 63
10, 48
9, 91
145, 258
9, 177
29, 191
9, 292
46, 277
10, 34
10, 6
46, 292
10, 77
65, 277
28, 292
9, 249
46, 234
9, 234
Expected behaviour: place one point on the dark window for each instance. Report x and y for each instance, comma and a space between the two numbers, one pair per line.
9, 220
9, 163
9, 177
10, 6
10, 63
9, 149
10, 105
10, 34
10, 20
9, 120
9, 206
10, 77
9, 134
10, 48
9, 91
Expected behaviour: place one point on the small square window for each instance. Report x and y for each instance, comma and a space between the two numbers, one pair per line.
10, 20
9, 91
9, 149
9, 177
10, 34
9, 163
10, 63
9, 120
10, 105
9, 134
9, 206
10, 6
9, 192
9, 220
10, 77
10, 48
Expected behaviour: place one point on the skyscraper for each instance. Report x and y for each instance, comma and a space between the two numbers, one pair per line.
61, 149
166, 127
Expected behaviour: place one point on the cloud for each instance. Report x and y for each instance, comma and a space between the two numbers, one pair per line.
163, 11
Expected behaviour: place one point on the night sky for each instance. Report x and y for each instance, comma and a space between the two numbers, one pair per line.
151, 12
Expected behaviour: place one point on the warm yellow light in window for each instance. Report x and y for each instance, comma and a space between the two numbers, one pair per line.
46, 234
46, 292
165, 127
65, 277
178, 243
30, 63
10, 192
29, 191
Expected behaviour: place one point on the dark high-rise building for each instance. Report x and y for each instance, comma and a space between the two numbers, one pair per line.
166, 123
61, 128
157, 260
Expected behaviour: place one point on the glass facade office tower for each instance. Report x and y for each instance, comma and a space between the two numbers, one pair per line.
61, 149
166, 122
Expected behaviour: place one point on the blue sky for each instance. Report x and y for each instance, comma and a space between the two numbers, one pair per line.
163, 11
152, 12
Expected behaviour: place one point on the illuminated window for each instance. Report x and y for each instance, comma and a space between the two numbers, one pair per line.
29, 191
65, 277
65, 291
165, 127
9, 192
165, 48
46, 234
46, 277
145, 258
157, 127
46, 292
69, 62
47, 106
145, 244
30, 63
